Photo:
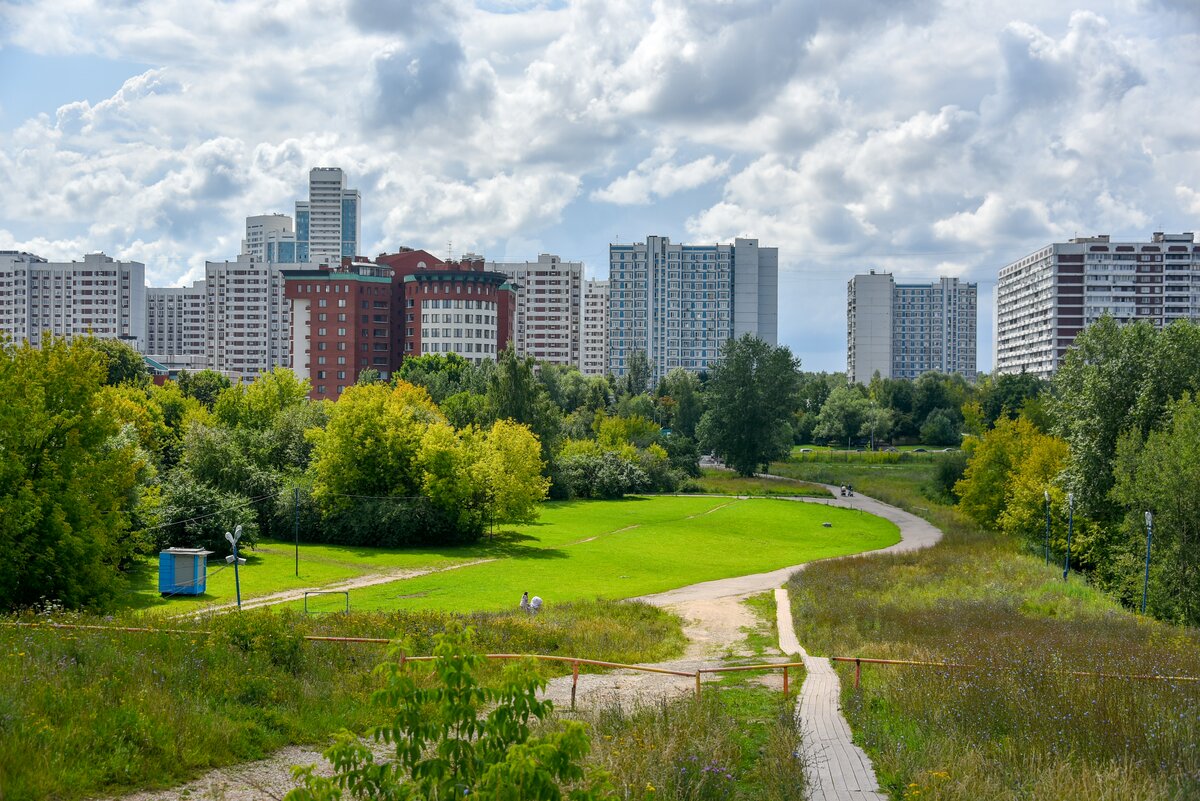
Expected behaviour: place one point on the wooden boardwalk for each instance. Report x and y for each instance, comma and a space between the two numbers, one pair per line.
837, 769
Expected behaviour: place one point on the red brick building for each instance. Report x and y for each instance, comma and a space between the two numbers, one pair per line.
375, 314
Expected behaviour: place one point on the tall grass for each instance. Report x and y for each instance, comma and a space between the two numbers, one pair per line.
84, 713
1014, 724
723, 482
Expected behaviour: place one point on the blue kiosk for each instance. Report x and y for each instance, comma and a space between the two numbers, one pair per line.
183, 571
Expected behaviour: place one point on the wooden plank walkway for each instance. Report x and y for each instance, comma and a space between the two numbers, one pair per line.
837, 769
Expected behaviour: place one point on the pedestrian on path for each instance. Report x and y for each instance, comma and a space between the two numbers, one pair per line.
525, 602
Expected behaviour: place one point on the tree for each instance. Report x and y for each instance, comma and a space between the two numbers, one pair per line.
514, 393
204, 385
940, 428
842, 415
638, 374
1006, 394
369, 376
683, 389
510, 465
68, 481
124, 365
1161, 475
751, 397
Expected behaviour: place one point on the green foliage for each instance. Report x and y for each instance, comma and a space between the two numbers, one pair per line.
122, 363
445, 374
514, 393
681, 397
843, 415
1007, 394
459, 738
1162, 476
587, 471
204, 386
68, 482
940, 428
196, 514
751, 399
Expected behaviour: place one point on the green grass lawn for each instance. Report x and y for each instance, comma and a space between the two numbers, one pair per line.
671, 543
619, 549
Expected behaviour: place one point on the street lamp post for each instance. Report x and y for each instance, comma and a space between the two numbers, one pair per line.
235, 561
1149, 535
1070, 530
1047, 494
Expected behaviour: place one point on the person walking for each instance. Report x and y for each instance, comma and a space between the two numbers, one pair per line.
525, 602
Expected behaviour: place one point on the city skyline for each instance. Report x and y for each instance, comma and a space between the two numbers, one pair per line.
925, 141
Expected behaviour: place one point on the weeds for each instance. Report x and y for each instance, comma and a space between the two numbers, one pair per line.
1014, 724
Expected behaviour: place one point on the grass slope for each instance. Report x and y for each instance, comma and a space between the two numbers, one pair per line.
1012, 726
724, 482
621, 549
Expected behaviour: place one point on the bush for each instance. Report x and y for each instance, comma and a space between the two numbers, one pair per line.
605, 475
948, 470
397, 522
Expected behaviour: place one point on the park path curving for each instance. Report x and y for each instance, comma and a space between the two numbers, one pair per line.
715, 623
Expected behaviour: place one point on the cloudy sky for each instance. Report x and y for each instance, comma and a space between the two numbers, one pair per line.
926, 138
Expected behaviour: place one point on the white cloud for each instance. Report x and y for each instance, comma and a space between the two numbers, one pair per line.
659, 177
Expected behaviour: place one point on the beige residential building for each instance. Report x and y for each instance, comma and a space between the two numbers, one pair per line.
176, 326
593, 350
98, 296
549, 293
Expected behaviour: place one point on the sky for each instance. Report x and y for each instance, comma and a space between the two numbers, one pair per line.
919, 137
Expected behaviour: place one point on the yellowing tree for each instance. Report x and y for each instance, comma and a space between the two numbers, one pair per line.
511, 464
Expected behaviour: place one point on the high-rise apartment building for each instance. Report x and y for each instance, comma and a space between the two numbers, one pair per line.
593, 347
904, 330
549, 294
328, 225
247, 321
1045, 299
177, 326
98, 296
681, 303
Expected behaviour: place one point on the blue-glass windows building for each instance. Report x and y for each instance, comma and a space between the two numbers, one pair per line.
326, 228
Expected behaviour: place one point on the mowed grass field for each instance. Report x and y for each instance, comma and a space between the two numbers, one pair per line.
576, 550
582, 550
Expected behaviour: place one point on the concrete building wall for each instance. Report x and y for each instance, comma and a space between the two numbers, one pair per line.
548, 307
869, 326
98, 296
593, 348
176, 325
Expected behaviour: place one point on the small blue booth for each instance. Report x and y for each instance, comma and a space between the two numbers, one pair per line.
183, 571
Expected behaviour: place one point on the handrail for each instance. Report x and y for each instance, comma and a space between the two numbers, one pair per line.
859, 661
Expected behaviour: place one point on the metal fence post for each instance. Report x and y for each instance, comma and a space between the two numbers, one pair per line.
574, 682
857, 672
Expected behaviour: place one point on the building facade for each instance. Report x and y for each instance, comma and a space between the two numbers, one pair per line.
177, 326
98, 296
375, 314
247, 320
266, 235
548, 306
328, 224
1046, 298
593, 345
904, 330
681, 303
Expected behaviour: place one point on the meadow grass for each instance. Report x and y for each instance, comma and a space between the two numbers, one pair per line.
636, 547
723, 482
1013, 724
84, 713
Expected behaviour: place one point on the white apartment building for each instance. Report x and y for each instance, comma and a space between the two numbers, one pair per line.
681, 303
247, 319
98, 296
904, 330
593, 347
549, 294
262, 229
1046, 298
328, 225
177, 326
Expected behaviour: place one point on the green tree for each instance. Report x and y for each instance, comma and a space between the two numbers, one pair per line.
456, 738
67, 480
514, 393
683, 389
1006, 394
751, 398
639, 374
1161, 475
940, 428
123, 364
369, 376
204, 385
842, 415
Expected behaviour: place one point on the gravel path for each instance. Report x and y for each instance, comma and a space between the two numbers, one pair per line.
715, 623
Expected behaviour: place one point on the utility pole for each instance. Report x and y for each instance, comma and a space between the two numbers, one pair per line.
1149, 534
1070, 530
235, 561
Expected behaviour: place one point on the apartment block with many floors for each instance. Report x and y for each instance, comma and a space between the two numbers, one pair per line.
681, 303
328, 225
177, 326
1044, 299
549, 297
98, 296
904, 330
593, 346
247, 320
